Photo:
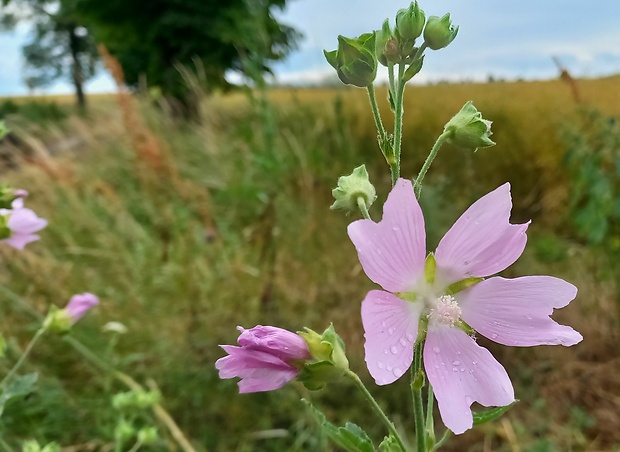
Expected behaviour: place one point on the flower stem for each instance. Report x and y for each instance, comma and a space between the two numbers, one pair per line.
417, 383
361, 203
430, 422
390, 426
23, 357
398, 124
443, 440
427, 164
375, 112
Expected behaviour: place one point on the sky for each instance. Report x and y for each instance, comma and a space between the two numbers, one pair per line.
507, 39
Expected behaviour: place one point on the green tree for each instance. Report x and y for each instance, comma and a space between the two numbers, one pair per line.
60, 47
151, 39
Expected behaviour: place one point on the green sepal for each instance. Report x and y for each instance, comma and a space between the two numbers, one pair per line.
332, 58
413, 69
468, 129
485, 416
351, 437
410, 22
439, 32
350, 188
430, 269
462, 285
386, 45
355, 61
19, 387
389, 444
315, 375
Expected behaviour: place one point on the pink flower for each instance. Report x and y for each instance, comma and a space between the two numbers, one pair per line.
79, 305
18, 225
264, 361
514, 312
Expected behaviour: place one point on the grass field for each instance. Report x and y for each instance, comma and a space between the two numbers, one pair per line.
186, 230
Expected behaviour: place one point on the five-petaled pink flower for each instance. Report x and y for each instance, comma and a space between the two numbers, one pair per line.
513, 312
20, 225
79, 305
266, 359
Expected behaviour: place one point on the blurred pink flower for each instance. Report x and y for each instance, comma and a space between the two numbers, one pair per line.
264, 359
80, 304
20, 225
513, 312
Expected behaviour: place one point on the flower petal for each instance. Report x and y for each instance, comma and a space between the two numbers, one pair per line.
79, 305
392, 252
482, 242
390, 329
516, 311
258, 371
25, 221
462, 372
275, 341
19, 241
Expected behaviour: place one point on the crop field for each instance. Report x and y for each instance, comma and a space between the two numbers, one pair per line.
187, 228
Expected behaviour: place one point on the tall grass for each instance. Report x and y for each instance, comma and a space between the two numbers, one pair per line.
230, 228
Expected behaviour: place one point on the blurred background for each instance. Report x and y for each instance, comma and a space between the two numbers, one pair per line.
184, 154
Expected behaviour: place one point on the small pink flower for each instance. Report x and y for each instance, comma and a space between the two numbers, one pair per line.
79, 305
263, 362
513, 312
22, 223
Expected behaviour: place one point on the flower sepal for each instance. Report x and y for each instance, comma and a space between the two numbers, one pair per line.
330, 360
482, 417
58, 321
354, 60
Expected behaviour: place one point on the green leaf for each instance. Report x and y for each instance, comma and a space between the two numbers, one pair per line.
490, 415
389, 444
21, 386
413, 69
351, 437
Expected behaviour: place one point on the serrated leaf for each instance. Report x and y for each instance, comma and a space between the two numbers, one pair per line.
21, 386
351, 437
490, 415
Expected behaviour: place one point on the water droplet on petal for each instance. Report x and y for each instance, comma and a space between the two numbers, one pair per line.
471, 371
436, 349
456, 363
395, 228
458, 352
469, 400
436, 366
494, 336
380, 364
529, 317
389, 368
454, 369
390, 331
403, 342
394, 349
383, 324
397, 372
409, 337
386, 352
474, 362
462, 369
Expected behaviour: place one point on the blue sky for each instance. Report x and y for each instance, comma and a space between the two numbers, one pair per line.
507, 39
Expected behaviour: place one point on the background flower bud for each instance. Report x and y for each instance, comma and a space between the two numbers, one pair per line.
439, 32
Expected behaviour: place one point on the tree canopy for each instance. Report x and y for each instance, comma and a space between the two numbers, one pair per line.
153, 38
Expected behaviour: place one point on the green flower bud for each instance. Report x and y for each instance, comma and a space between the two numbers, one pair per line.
58, 320
147, 435
386, 45
330, 360
468, 129
351, 187
410, 22
137, 399
124, 431
439, 32
355, 60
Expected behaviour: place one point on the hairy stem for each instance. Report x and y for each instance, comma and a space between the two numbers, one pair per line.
427, 163
23, 357
417, 383
390, 426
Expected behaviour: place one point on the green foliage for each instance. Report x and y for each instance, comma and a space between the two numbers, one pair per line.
482, 417
350, 437
593, 159
19, 386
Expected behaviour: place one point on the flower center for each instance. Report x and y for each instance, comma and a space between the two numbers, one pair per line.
445, 311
